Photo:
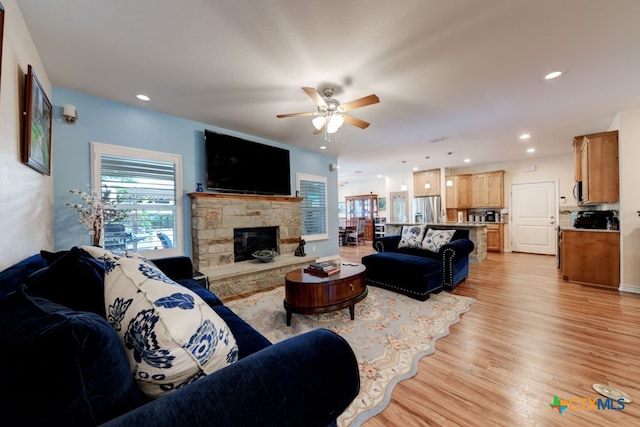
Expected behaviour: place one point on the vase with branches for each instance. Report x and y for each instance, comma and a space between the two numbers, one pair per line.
96, 211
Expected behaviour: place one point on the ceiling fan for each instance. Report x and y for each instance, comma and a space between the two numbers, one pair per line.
330, 115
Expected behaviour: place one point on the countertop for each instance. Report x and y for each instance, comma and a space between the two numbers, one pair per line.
445, 224
477, 223
593, 230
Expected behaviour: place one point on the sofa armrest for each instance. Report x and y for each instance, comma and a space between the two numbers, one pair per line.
306, 380
456, 249
386, 243
176, 267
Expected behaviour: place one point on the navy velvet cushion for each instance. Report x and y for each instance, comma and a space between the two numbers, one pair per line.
73, 278
248, 339
14, 276
193, 285
61, 367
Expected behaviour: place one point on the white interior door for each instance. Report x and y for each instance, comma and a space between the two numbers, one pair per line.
533, 222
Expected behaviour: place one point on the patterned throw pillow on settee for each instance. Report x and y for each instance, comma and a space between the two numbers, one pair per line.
435, 239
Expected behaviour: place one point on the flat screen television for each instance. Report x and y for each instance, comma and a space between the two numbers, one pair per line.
236, 165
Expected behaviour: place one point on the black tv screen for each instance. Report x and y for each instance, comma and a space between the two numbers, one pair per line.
236, 165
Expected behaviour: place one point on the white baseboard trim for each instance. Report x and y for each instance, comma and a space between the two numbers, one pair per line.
634, 289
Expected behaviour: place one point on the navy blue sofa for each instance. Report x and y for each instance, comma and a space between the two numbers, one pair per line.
65, 367
418, 272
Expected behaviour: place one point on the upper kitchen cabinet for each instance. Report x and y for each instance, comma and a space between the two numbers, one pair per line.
422, 178
487, 190
597, 167
458, 195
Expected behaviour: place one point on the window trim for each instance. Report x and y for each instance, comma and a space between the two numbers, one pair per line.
98, 149
323, 180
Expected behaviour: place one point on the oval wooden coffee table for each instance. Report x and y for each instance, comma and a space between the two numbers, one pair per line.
309, 294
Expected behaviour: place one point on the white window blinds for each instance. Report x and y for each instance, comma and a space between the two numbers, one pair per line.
313, 190
144, 190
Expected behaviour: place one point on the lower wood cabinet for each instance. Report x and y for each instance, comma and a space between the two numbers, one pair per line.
591, 257
495, 237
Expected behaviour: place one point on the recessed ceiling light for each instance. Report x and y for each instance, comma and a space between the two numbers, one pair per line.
358, 171
322, 147
467, 160
379, 176
553, 75
142, 97
415, 168
525, 136
531, 150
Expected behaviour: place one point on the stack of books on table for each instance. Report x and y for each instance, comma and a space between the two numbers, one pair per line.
322, 269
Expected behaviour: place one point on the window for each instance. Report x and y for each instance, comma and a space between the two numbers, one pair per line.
143, 185
313, 190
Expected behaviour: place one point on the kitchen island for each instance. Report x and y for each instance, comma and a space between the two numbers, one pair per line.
477, 234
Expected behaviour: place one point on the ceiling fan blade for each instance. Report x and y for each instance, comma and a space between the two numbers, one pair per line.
362, 102
282, 116
356, 122
315, 96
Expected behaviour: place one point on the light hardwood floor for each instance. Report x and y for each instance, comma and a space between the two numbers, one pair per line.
529, 336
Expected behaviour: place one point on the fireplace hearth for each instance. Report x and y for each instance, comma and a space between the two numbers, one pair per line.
248, 240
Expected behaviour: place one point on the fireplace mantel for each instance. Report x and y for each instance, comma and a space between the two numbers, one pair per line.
197, 195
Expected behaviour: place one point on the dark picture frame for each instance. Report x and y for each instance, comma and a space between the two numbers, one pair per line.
36, 147
1, 36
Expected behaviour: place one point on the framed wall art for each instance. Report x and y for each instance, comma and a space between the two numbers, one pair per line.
1, 36
36, 147
382, 203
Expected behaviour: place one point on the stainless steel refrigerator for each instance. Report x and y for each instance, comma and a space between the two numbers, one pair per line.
427, 209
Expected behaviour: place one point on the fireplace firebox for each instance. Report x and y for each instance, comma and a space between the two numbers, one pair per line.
248, 240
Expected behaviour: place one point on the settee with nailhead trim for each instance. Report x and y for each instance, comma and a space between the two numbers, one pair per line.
415, 272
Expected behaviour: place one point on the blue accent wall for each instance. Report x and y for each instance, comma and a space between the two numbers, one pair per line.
108, 122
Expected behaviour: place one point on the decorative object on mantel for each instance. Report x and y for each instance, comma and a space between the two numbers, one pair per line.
300, 249
264, 255
96, 211
391, 334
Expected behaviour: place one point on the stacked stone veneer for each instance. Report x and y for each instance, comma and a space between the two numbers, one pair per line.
214, 216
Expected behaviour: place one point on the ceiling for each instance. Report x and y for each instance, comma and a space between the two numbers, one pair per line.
460, 76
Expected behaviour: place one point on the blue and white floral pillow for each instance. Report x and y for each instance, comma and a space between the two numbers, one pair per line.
411, 236
171, 336
435, 239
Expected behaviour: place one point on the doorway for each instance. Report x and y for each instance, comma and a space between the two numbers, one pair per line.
533, 218
399, 206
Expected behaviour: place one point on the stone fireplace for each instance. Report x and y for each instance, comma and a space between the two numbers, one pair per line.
248, 240
215, 217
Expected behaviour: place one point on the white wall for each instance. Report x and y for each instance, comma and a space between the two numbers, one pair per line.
26, 211
629, 153
559, 168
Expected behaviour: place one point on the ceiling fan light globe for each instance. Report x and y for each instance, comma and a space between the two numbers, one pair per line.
336, 120
331, 128
318, 122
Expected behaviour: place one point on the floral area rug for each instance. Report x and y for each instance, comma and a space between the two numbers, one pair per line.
390, 334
